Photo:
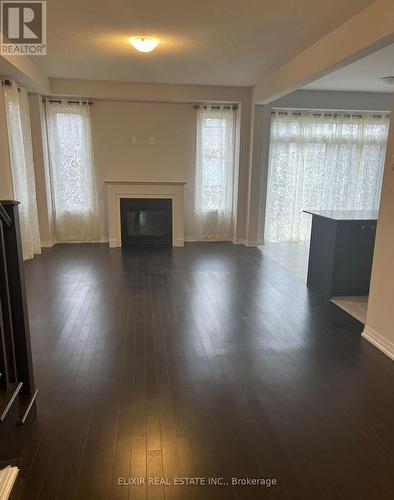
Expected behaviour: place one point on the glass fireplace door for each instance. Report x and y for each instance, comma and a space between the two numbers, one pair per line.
146, 221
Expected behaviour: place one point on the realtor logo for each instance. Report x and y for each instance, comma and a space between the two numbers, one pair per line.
23, 28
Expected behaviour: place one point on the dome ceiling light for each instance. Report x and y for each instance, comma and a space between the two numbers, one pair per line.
388, 80
144, 43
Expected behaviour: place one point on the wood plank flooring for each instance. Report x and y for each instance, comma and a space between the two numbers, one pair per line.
208, 361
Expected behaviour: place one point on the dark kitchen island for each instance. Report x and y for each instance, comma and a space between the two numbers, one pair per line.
341, 251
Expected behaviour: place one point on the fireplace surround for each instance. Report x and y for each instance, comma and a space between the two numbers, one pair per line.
117, 190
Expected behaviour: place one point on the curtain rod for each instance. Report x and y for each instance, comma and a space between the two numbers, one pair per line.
354, 114
59, 101
328, 110
8, 83
216, 106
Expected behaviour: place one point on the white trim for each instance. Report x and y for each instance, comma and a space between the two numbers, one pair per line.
128, 189
79, 242
51, 243
194, 240
143, 183
383, 344
239, 241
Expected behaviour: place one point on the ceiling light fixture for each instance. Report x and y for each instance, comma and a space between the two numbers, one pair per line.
144, 43
388, 80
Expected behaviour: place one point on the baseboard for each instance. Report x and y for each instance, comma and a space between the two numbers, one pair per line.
383, 344
51, 243
238, 241
80, 242
248, 243
194, 240
47, 243
178, 243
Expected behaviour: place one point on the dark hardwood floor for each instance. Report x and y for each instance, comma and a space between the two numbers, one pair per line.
206, 361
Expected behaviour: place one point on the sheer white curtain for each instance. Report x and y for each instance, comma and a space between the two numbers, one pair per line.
214, 174
322, 161
22, 166
72, 171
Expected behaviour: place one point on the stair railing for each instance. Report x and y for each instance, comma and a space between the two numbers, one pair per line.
16, 367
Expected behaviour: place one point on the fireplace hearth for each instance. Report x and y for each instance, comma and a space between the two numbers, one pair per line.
146, 221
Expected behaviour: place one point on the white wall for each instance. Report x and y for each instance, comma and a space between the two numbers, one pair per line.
366, 32
24, 70
122, 111
379, 328
318, 99
170, 158
122, 132
158, 94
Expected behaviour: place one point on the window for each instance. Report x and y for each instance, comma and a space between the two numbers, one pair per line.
322, 161
72, 171
214, 181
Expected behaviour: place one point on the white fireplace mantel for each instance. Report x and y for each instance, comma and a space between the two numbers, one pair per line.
150, 189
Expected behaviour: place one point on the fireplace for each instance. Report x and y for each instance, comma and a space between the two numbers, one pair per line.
146, 221
150, 190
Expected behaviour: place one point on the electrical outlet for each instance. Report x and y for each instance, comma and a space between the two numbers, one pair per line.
151, 140
133, 140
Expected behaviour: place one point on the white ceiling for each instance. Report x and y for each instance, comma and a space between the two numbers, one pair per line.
218, 42
362, 75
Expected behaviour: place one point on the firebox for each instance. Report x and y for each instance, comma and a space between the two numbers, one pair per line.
146, 221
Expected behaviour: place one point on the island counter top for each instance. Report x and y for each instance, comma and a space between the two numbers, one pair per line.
345, 215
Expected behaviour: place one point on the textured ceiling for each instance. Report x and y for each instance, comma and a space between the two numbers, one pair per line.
363, 75
218, 42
